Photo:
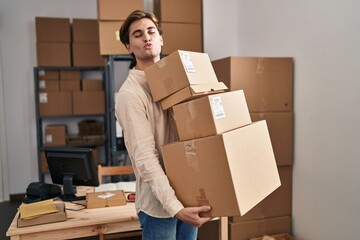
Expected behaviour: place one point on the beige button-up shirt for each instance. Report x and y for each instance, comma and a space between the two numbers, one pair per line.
146, 127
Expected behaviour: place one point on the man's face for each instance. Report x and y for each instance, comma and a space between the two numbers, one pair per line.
145, 41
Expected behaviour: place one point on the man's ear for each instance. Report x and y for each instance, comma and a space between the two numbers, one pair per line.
162, 40
127, 46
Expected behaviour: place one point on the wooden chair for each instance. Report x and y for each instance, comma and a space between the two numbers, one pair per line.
104, 171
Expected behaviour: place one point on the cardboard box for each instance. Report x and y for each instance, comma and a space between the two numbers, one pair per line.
232, 172
211, 115
48, 74
55, 103
92, 85
182, 36
47, 218
105, 199
117, 9
87, 55
55, 135
275, 237
110, 43
49, 85
53, 54
70, 85
50, 29
258, 228
181, 11
70, 75
88, 102
192, 92
278, 203
85, 30
281, 125
267, 81
177, 71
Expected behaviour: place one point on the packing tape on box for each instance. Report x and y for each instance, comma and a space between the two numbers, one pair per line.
190, 151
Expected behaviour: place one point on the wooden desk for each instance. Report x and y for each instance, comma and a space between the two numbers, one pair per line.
83, 223
90, 222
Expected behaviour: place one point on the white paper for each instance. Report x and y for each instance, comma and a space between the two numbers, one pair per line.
217, 107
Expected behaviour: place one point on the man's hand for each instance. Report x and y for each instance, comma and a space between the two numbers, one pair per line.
191, 215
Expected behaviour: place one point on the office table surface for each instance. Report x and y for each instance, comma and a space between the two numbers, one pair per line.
81, 223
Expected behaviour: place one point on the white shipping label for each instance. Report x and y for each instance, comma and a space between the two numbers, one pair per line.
42, 84
49, 138
217, 107
41, 73
43, 98
188, 64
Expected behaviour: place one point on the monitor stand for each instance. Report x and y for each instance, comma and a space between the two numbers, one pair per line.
70, 190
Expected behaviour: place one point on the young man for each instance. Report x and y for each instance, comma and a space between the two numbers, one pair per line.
146, 127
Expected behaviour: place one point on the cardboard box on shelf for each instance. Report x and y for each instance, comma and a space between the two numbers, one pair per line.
55, 135
46, 218
49, 29
184, 11
211, 115
177, 71
184, 36
267, 81
53, 54
117, 9
278, 203
48, 75
55, 103
70, 75
232, 172
87, 55
257, 228
110, 43
92, 85
85, 30
70, 85
105, 199
49, 85
192, 92
281, 126
88, 102
44, 166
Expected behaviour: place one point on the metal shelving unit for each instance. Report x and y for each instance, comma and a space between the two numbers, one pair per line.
40, 119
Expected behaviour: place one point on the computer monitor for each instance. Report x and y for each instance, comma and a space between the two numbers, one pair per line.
71, 167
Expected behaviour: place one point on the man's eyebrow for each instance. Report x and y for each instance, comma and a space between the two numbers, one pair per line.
139, 31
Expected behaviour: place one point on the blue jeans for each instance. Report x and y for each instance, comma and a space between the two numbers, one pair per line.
165, 228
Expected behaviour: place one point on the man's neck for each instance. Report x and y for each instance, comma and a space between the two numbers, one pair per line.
141, 65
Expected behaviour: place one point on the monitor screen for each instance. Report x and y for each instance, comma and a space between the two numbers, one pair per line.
71, 167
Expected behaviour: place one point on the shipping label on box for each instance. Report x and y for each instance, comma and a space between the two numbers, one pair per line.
238, 164
177, 71
211, 115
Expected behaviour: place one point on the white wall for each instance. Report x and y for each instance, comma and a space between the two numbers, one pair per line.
323, 38
18, 41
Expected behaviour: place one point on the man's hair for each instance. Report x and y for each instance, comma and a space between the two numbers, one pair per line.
136, 15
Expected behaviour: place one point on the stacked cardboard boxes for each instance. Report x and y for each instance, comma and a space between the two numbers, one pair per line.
85, 45
222, 159
268, 84
62, 44
111, 15
53, 42
181, 21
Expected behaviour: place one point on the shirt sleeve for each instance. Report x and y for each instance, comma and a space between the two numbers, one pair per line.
140, 143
